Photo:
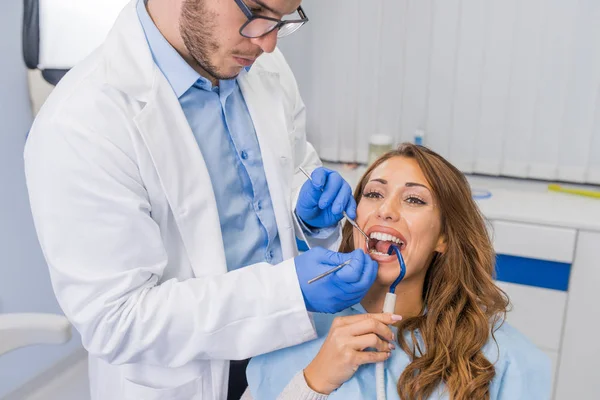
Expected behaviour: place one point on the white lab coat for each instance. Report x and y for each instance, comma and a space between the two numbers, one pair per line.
128, 223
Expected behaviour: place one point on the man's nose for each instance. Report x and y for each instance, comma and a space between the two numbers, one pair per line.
268, 42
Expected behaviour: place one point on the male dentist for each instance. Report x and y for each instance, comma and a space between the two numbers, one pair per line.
163, 174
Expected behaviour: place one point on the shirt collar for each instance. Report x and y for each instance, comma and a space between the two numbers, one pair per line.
179, 73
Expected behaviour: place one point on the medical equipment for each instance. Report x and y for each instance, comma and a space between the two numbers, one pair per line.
331, 271
389, 306
379, 144
579, 192
354, 224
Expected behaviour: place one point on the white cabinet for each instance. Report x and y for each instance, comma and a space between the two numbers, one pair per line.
579, 369
555, 237
538, 313
534, 241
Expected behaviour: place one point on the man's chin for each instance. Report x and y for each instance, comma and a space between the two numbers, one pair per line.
229, 73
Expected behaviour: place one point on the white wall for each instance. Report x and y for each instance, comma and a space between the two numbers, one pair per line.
501, 87
24, 281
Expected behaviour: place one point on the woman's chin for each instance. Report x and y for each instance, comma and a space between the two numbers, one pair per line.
388, 272
385, 280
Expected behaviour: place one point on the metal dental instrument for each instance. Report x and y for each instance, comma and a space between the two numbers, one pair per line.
353, 223
331, 271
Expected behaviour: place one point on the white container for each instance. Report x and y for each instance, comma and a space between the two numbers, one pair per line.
379, 145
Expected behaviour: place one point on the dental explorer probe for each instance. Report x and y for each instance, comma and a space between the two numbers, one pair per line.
331, 271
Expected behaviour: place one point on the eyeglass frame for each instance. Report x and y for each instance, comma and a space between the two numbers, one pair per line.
279, 23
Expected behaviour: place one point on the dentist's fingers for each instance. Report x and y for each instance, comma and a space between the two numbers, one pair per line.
342, 200
332, 187
370, 272
351, 206
319, 178
352, 272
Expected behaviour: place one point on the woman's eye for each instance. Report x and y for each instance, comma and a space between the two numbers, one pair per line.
415, 200
373, 195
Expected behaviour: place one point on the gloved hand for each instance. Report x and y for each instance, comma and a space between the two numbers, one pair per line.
323, 199
339, 290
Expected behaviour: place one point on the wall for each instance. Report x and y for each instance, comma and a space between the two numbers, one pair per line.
24, 281
500, 87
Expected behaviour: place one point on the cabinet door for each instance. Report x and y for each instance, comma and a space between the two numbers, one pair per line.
579, 372
534, 267
537, 313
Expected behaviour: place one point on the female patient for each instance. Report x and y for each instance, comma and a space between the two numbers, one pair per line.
452, 341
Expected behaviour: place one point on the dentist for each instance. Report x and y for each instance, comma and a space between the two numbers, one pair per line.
163, 175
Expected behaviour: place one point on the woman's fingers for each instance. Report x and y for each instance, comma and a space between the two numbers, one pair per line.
387, 319
371, 357
370, 325
371, 341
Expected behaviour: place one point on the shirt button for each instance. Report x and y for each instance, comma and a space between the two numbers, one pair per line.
271, 254
244, 155
258, 206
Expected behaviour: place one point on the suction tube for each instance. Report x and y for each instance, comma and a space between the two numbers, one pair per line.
389, 307
402, 267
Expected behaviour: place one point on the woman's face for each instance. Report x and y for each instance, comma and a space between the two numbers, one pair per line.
398, 207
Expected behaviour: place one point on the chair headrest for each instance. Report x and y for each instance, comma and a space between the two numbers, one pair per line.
57, 34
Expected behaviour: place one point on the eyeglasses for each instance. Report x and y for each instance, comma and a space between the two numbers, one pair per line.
258, 26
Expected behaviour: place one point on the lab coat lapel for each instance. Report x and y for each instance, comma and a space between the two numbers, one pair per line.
184, 177
263, 95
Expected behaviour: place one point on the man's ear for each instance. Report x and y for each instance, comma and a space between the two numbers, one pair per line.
442, 244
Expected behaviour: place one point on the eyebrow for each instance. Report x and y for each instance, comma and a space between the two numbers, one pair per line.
408, 184
266, 7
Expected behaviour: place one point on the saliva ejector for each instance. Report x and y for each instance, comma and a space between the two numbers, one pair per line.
389, 306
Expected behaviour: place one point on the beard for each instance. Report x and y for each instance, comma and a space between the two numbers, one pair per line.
197, 26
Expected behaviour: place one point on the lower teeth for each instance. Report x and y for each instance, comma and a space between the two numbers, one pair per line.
378, 253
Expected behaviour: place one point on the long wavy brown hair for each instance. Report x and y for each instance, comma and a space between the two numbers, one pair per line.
462, 307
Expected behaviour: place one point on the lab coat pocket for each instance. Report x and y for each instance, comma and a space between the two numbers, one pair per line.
188, 391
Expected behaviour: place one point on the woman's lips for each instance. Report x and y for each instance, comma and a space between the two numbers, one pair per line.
388, 231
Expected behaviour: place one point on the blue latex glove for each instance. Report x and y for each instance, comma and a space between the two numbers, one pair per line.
323, 199
339, 290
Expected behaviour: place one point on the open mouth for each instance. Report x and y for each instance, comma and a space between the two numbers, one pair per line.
379, 243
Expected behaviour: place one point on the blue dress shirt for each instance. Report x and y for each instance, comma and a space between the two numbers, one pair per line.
224, 131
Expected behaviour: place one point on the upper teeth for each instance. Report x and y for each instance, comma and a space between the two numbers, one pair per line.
385, 237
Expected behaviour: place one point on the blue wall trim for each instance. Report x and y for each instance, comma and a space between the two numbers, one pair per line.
533, 272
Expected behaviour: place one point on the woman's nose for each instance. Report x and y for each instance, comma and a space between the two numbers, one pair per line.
389, 211
268, 42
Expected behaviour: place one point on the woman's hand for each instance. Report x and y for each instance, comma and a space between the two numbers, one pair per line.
343, 350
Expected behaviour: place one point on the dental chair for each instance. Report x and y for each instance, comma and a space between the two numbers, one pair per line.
57, 34
20, 330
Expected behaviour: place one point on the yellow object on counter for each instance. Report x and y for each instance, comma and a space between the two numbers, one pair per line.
580, 192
